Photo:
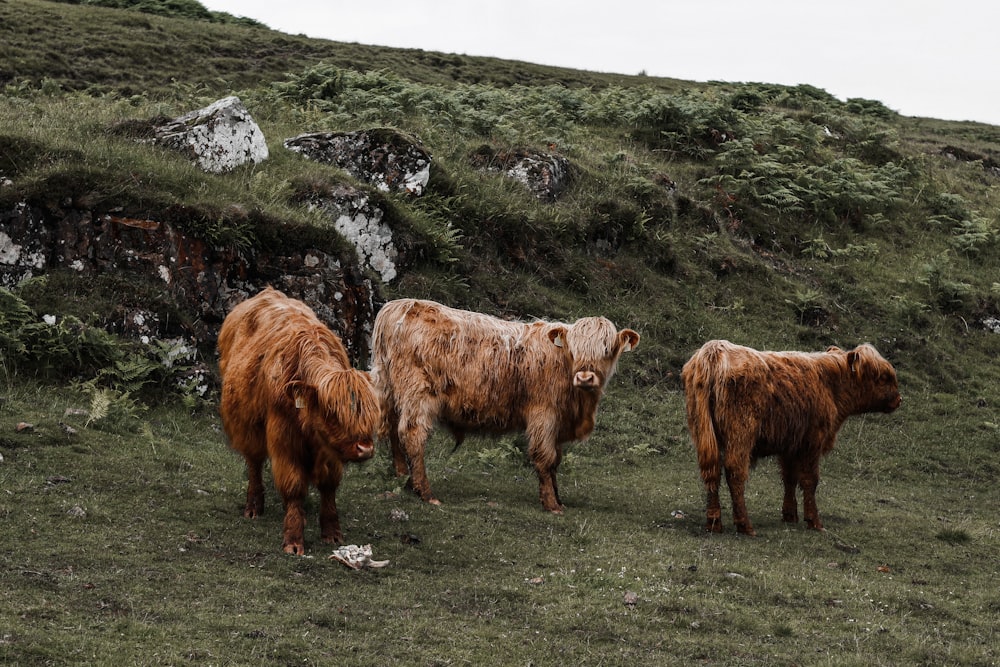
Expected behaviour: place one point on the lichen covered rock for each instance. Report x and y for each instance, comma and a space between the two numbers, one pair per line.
546, 175
219, 138
385, 158
360, 221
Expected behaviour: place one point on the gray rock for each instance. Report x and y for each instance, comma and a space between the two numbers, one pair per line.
546, 175
219, 138
359, 220
385, 158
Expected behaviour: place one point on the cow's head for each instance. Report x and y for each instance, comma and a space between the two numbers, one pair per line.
593, 345
341, 416
876, 377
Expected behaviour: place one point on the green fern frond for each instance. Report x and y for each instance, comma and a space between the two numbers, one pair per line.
100, 404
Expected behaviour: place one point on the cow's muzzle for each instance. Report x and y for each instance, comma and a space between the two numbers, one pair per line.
587, 380
361, 450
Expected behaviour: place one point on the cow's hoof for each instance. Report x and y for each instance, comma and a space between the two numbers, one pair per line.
425, 495
294, 548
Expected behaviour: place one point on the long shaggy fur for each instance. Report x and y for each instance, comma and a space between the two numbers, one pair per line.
743, 404
289, 394
474, 373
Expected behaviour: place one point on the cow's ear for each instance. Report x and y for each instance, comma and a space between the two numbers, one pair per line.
558, 336
296, 390
852, 359
629, 339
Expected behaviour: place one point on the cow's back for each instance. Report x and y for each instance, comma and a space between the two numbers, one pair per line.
263, 317
246, 346
738, 369
466, 369
259, 354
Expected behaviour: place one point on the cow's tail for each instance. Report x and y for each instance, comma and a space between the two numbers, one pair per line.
379, 372
386, 404
382, 385
701, 393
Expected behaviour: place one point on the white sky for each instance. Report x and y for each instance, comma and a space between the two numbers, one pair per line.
920, 58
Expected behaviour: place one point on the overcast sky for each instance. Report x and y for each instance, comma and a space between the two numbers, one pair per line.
920, 58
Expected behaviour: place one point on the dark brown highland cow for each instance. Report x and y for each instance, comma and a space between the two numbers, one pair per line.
475, 373
289, 394
743, 405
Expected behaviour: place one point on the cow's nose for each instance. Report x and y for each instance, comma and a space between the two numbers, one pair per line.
364, 449
586, 380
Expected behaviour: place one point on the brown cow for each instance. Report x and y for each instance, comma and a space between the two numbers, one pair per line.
743, 405
475, 373
289, 394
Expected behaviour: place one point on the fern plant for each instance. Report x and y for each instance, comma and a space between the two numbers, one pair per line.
14, 316
975, 235
113, 411
949, 294
131, 374
64, 347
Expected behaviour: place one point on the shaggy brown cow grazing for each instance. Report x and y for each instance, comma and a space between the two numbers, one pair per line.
743, 405
289, 394
475, 373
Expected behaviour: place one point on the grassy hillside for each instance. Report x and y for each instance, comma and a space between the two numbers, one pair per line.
100, 49
777, 217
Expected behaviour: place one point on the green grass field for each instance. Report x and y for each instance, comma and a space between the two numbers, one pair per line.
129, 548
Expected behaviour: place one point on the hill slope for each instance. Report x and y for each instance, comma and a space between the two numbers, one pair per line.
775, 216
101, 49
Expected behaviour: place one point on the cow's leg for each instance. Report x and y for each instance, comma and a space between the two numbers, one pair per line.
711, 475
555, 489
249, 439
329, 520
737, 472
399, 462
413, 434
808, 480
545, 453
790, 476
547, 492
736, 479
555, 482
255, 488
290, 481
